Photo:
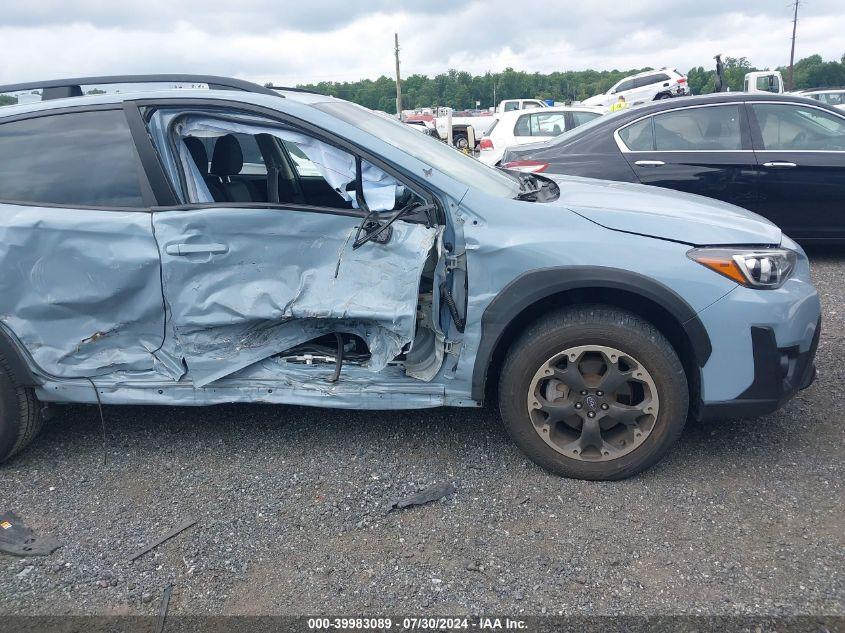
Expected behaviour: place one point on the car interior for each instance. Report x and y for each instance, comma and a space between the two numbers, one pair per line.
242, 167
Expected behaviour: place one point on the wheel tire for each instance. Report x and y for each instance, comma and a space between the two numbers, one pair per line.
460, 141
593, 326
663, 95
20, 415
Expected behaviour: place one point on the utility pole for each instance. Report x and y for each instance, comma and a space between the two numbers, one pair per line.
791, 84
398, 80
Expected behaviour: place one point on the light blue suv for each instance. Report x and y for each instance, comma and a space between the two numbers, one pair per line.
236, 243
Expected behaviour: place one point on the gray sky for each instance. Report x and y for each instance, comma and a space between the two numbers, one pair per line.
313, 40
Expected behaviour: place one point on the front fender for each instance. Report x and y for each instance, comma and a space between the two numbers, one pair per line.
536, 285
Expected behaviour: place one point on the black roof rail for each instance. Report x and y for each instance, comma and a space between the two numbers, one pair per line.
61, 88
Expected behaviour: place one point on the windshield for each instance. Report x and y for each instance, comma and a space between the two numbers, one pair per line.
458, 165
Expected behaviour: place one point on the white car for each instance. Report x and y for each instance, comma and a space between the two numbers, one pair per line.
647, 86
519, 127
831, 96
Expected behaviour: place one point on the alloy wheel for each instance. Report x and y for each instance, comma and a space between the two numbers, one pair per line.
593, 403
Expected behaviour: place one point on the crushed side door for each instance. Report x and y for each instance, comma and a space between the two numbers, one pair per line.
243, 284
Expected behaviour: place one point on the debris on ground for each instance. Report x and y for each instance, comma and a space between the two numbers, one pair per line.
17, 539
169, 535
426, 495
165, 605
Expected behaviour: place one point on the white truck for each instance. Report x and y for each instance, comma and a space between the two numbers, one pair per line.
466, 127
463, 127
764, 81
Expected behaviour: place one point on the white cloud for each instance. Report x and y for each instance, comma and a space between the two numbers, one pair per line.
323, 40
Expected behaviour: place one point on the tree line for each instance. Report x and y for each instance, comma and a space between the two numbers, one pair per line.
461, 90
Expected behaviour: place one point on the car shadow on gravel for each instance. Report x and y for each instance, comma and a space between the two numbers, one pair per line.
149, 430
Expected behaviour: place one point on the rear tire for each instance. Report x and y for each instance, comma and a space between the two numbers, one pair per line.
632, 423
20, 414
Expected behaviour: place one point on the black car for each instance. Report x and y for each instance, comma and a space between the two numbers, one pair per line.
779, 155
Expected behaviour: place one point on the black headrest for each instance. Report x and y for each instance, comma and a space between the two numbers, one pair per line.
227, 159
198, 153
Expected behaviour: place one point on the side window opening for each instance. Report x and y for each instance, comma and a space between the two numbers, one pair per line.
259, 162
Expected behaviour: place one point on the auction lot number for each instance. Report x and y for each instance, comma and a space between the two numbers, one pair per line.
387, 623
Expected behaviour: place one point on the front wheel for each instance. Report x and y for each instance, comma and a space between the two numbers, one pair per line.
593, 393
20, 415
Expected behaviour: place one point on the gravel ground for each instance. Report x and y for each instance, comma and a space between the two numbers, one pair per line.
743, 517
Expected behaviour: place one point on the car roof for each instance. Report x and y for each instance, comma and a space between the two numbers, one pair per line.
716, 97
176, 93
665, 69
65, 93
512, 114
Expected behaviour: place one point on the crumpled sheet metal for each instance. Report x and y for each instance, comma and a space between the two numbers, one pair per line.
271, 381
288, 277
80, 288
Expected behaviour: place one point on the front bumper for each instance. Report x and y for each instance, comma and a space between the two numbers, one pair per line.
779, 373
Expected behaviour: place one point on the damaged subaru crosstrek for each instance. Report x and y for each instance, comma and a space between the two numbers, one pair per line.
237, 243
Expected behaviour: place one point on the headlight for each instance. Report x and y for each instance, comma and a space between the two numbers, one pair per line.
757, 268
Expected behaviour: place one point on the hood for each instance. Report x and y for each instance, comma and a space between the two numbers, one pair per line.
663, 213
